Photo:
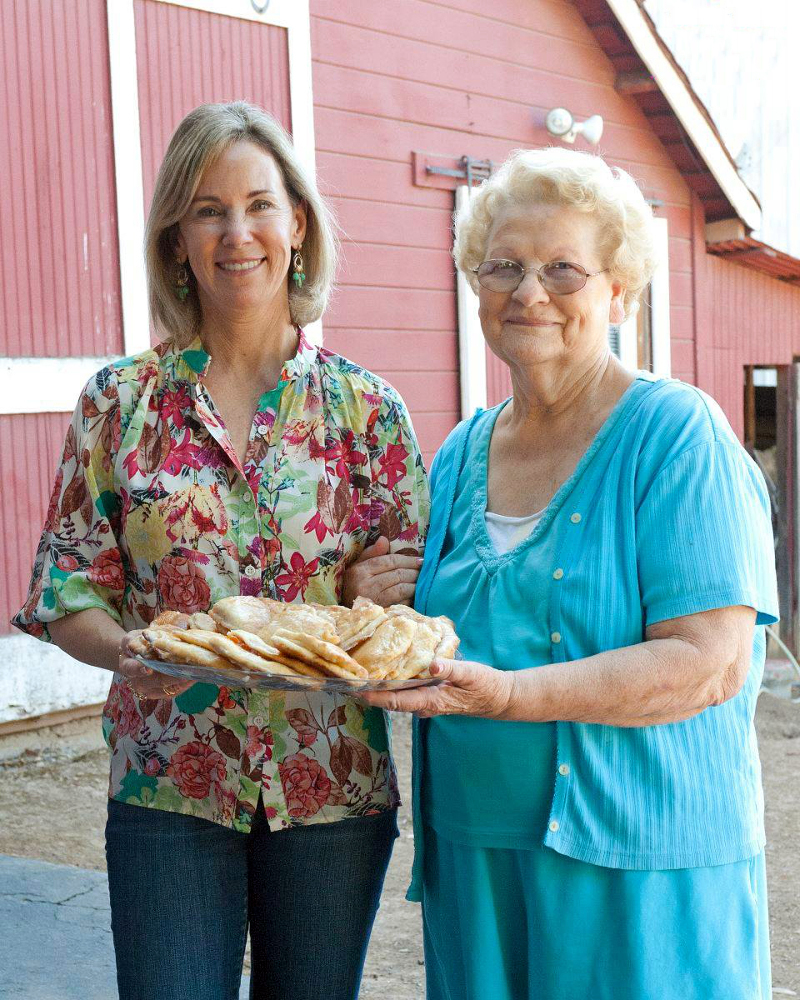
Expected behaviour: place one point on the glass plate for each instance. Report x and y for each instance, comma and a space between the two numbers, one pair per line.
280, 682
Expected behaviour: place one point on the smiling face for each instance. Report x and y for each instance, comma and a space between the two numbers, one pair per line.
238, 234
531, 326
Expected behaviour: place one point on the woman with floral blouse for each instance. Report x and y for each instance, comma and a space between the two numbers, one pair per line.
234, 458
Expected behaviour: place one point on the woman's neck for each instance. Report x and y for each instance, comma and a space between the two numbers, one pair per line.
251, 348
547, 395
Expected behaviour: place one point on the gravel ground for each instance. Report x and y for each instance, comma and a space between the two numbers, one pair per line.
52, 800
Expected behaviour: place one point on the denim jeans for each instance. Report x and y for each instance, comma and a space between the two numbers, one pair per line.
183, 891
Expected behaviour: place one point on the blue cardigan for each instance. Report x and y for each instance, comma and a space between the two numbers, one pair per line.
670, 517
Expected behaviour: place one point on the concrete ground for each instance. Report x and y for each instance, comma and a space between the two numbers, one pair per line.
56, 942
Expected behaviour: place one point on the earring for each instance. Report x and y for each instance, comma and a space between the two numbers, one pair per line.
298, 275
182, 282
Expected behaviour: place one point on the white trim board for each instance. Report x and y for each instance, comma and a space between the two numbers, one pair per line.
658, 291
128, 174
659, 304
682, 102
45, 385
471, 345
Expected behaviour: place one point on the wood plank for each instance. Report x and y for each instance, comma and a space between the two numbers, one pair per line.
395, 225
415, 309
508, 74
437, 22
395, 350
396, 267
361, 134
50, 719
433, 428
342, 175
520, 121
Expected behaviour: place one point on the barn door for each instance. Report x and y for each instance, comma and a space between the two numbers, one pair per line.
168, 56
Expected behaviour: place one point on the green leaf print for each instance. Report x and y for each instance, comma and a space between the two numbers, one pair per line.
136, 785
249, 787
168, 797
107, 503
368, 725
197, 698
236, 724
278, 724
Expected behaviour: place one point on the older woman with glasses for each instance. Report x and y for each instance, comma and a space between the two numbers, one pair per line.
588, 807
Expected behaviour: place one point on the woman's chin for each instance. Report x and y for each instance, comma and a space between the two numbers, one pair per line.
528, 351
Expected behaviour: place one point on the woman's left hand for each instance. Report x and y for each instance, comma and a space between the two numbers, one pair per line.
467, 688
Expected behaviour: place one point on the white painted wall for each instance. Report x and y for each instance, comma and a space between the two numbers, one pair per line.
37, 678
741, 58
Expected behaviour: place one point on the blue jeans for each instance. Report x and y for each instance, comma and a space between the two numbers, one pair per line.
183, 891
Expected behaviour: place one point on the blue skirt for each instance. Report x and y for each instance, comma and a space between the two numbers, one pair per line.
502, 924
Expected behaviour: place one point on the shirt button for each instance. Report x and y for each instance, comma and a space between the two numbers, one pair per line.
553, 826
251, 571
263, 430
558, 574
555, 637
563, 769
248, 499
258, 721
575, 518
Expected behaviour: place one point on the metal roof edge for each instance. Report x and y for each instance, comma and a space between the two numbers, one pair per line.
650, 48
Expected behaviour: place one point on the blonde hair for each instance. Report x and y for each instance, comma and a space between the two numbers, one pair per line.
555, 176
198, 140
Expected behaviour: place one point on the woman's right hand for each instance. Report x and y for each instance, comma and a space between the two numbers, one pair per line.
384, 577
146, 682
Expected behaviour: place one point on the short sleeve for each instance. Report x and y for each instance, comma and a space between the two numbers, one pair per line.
78, 563
400, 505
704, 536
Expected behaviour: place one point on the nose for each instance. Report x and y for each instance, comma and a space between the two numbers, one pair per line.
530, 290
237, 230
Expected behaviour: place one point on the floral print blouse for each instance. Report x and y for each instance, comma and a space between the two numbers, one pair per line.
152, 509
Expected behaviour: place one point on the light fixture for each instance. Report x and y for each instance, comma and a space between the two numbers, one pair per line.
561, 123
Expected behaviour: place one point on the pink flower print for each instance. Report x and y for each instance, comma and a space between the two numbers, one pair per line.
295, 580
305, 785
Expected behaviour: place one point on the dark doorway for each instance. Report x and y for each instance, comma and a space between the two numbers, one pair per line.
769, 436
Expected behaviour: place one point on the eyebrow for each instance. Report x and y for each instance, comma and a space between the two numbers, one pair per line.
211, 197
562, 253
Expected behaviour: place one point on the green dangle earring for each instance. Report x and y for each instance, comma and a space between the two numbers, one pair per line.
182, 282
298, 274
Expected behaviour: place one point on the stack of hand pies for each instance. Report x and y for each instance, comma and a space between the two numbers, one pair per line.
363, 644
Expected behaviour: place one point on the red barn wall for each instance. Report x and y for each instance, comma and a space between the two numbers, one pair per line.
455, 79
59, 264
743, 317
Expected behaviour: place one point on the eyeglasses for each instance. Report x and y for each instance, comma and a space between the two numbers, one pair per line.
559, 277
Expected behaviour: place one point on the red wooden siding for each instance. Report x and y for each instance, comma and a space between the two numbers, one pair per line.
453, 79
30, 446
753, 319
188, 57
59, 268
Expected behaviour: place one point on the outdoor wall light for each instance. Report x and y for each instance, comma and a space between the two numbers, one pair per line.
561, 123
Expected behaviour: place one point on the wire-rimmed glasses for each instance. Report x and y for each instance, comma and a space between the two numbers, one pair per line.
559, 277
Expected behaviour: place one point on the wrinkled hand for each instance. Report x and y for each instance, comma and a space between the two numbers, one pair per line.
384, 577
147, 683
468, 688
